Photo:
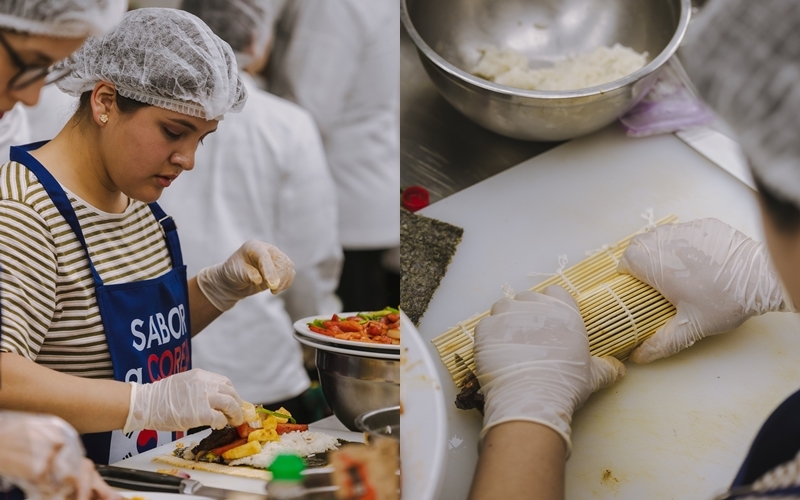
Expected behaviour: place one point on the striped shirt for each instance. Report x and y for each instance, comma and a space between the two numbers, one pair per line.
49, 308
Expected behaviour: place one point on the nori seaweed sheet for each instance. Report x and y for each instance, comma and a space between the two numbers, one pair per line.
426, 247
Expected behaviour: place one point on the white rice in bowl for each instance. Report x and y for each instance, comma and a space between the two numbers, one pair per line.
304, 443
602, 65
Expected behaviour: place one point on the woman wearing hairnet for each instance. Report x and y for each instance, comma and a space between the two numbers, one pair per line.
21, 18
262, 174
97, 310
43, 454
745, 60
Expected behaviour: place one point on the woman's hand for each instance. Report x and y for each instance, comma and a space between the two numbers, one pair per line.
183, 401
533, 362
255, 267
44, 457
713, 274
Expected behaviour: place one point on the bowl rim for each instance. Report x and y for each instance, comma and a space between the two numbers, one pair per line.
447, 67
359, 421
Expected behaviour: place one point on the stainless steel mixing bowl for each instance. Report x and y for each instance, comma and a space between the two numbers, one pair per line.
450, 33
357, 384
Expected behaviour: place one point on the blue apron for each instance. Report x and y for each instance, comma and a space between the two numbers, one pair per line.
777, 442
146, 322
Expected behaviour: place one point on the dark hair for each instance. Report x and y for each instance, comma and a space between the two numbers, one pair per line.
234, 22
783, 213
125, 105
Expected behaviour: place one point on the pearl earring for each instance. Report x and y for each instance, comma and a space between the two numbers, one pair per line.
104, 118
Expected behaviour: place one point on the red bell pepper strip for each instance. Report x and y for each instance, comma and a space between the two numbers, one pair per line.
244, 430
323, 331
222, 449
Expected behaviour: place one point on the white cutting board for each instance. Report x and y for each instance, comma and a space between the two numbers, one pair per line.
145, 461
675, 429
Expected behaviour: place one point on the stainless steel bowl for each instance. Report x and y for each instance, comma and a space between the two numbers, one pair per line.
383, 423
357, 384
449, 34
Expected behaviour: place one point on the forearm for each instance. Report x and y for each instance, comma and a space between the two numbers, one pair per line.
520, 460
89, 405
202, 312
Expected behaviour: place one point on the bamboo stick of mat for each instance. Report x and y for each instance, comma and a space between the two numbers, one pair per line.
620, 312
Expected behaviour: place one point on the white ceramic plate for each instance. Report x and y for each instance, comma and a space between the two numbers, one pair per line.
301, 327
423, 418
350, 352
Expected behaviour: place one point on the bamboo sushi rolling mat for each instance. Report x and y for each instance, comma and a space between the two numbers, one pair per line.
619, 311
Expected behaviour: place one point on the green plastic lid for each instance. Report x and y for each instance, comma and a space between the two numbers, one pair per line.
287, 467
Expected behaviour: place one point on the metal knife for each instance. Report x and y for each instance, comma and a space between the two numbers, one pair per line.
140, 480
720, 149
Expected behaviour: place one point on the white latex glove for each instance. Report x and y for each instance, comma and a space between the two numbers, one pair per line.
183, 401
713, 274
255, 267
44, 457
533, 362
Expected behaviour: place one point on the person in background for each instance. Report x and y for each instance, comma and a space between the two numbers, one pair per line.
744, 58
263, 174
46, 119
43, 454
14, 129
98, 313
339, 59
22, 18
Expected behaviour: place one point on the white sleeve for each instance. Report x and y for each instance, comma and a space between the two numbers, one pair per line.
322, 59
308, 227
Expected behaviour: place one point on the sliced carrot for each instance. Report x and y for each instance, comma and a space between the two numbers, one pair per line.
222, 449
350, 326
285, 428
323, 331
244, 430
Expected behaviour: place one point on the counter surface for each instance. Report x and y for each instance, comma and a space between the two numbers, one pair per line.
144, 461
676, 428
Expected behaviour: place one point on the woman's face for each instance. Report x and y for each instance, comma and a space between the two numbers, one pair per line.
145, 151
34, 51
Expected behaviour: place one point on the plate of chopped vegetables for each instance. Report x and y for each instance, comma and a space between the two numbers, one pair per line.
374, 330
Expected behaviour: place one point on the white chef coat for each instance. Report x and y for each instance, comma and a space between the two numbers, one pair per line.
340, 59
14, 131
261, 175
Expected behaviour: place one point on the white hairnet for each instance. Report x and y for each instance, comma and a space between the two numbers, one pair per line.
61, 18
164, 57
245, 24
744, 58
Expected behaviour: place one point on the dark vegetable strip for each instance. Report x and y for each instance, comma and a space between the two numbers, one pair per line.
217, 438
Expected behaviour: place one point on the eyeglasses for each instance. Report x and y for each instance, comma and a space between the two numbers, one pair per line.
28, 74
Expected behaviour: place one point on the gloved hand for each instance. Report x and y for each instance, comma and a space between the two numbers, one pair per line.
255, 267
183, 401
713, 274
533, 362
44, 457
